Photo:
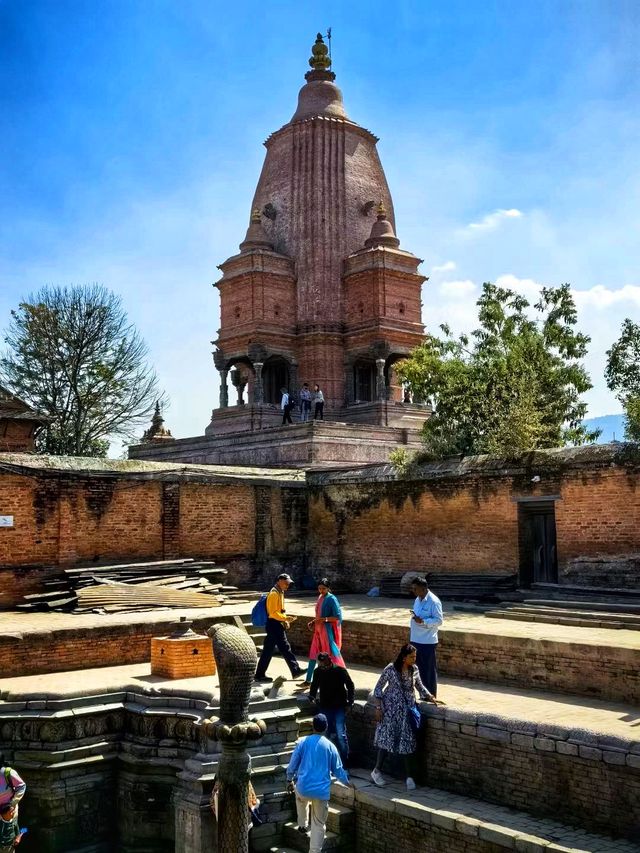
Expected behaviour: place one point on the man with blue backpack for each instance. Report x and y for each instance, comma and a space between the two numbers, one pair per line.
270, 613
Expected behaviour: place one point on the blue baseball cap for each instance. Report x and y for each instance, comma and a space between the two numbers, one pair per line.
320, 723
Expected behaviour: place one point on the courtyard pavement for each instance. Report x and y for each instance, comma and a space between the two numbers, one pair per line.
598, 716
391, 611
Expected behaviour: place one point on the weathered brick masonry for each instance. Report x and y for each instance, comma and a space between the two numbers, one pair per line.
574, 776
355, 525
378, 831
463, 516
604, 672
67, 514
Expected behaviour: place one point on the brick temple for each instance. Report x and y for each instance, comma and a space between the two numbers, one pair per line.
320, 292
19, 423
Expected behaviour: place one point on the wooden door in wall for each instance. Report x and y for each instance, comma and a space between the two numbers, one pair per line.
538, 546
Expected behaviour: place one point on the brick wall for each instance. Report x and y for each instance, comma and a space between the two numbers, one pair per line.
572, 776
379, 831
16, 436
378, 529
368, 525
61, 521
606, 672
66, 649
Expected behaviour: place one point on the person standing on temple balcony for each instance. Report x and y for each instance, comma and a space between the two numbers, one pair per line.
305, 403
286, 405
278, 622
426, 618
318, 399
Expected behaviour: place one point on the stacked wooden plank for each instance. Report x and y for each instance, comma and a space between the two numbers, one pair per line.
133, 586
461, 585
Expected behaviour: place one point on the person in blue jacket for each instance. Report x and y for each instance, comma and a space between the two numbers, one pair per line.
314, 764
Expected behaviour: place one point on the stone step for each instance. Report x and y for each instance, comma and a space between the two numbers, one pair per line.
552, 760
300, 842
567, 616
570, 621
448, 821
340, 819
50, 758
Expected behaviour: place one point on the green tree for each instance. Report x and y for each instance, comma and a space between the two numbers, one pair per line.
514, 384
623, 376
73, 355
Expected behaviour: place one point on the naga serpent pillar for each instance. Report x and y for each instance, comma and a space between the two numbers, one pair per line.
236, 658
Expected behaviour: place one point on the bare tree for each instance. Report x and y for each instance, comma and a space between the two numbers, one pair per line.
73, 355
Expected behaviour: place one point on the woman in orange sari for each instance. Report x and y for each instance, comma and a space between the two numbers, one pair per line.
326, 627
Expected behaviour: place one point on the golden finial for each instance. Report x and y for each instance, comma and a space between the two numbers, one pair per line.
320, 61
382, 213
256, 216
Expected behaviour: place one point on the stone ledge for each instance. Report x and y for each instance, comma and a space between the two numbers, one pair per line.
474, 819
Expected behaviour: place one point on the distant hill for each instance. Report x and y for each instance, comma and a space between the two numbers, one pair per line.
612, 426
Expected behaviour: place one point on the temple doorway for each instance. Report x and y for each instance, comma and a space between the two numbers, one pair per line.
364, 374
275, 375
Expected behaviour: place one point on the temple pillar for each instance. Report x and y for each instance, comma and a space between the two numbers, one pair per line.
381, 387
258, 390
224, 390
293, 377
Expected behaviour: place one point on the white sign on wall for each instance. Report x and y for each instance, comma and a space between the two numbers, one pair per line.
6, 521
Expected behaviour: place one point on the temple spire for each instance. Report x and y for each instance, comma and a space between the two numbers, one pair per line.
320, 62
256, 237
382, 233
157, 432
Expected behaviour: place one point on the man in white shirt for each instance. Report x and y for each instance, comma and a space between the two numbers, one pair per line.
286, 406
426, 618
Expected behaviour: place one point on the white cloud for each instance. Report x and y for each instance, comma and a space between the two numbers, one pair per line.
457, 289
492, 220
447, 266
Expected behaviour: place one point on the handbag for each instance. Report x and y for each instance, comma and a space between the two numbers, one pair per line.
415, 717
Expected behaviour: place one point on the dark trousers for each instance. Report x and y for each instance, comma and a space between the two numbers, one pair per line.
426, 660
319, 412
337, 726
286, 414
276, 639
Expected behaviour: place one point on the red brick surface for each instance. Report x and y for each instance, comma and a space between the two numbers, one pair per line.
62, 521
371, 529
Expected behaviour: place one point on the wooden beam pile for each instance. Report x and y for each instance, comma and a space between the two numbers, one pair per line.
133, 587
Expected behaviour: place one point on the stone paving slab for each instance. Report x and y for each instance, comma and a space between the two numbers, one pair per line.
465, 700
503, 826
392, 611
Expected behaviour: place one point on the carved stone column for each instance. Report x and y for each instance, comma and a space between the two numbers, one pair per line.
236, 657
381, 389
258, 390
224, 390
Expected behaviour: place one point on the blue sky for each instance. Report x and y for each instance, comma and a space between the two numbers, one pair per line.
131, 141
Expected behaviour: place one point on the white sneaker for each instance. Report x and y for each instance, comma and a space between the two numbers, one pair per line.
411, 785
378, 778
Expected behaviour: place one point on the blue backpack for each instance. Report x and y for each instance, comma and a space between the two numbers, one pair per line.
259, 612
